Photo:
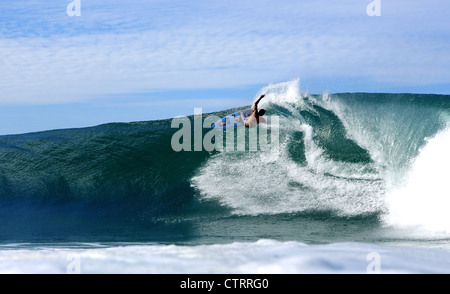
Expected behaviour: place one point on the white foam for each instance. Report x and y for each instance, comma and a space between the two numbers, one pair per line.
280, 93
422, 203
260, 257
355, 130
270, 182
260, 183
321, 164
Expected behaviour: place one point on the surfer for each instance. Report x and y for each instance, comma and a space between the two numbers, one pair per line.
256, 118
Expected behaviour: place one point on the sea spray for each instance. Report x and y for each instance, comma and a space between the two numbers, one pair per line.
421, 203
343, 183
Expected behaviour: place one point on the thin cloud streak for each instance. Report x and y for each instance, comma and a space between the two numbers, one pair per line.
47, 57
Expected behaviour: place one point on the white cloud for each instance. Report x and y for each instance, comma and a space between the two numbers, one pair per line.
134, 46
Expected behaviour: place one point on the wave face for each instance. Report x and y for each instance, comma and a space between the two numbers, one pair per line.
347, 154
358, 160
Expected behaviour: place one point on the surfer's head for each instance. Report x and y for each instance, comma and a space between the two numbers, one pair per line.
261, 112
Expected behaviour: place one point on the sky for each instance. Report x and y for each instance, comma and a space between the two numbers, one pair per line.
139, 60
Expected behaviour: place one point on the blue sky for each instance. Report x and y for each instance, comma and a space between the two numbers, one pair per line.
135, 60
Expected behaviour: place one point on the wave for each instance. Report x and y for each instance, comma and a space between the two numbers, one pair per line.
92, 181
264, 256
344, 154
422, 200
341, 155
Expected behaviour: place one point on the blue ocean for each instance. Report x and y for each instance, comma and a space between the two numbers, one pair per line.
358, 183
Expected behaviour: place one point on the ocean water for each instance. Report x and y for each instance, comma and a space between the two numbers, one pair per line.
356, 183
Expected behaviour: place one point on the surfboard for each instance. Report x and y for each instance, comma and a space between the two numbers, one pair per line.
232, 120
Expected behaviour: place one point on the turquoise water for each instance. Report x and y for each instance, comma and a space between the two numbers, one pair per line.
344, 171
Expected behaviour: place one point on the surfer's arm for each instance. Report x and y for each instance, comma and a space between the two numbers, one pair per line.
257, 101
255, 107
